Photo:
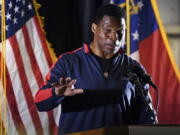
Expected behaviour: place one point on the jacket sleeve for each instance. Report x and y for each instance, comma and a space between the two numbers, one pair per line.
45, 98
143, 111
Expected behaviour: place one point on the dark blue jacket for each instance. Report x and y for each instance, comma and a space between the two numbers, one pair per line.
105, 101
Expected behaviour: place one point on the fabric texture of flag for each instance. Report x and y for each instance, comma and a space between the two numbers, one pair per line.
28, 59
148, 39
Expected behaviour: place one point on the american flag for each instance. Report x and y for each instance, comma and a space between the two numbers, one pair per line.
148, 40
28, 60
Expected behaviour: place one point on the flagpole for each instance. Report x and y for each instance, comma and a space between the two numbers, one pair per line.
128, 27
3, 69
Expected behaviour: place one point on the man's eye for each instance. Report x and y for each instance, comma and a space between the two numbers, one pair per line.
107, 31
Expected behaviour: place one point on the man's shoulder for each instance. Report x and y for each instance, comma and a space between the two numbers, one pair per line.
71, 55
74, 52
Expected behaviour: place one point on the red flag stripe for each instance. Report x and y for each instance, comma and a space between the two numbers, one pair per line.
37, 47
35, 40
52, 124
34, 65
26, 87
18, 91
11, 100
14, 107
36, 71
43, 41
31, 78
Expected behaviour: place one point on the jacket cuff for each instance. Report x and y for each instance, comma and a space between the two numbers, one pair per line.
57, 98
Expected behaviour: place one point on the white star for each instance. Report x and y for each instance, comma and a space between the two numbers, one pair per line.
8, 16
10, 5
135, 35
29, 6
23, 2
15, 20
16, 9
7, 27
22, 13
140, 4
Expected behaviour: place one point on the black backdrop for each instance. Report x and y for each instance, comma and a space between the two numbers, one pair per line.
67, 22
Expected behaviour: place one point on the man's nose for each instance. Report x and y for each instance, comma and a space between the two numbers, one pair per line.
113, 36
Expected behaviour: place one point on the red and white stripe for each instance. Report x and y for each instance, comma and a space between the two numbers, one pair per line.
27, 60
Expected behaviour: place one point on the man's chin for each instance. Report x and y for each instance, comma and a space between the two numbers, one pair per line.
109, 51
110, 48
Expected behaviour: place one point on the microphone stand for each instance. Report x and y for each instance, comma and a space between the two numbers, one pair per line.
141, 92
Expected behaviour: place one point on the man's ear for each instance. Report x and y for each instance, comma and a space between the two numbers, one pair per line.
93, 27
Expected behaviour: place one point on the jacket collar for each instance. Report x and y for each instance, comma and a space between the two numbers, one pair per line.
87, 51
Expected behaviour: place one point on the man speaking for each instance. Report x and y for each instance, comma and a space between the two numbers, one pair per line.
91, 83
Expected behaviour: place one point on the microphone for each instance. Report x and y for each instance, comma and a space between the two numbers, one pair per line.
146, 78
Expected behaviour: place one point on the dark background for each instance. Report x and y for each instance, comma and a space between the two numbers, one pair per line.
67, 23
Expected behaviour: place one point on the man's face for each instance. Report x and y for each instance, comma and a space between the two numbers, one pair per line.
106, 33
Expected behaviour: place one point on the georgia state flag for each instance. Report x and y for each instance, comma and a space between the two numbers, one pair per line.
149, 45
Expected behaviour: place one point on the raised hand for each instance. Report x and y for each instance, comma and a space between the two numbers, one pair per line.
65, 87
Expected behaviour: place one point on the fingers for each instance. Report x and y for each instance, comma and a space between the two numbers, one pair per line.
67, 79
71, 83
67, 82
63, 81
77, 91
65, 87
72, 92
61, 86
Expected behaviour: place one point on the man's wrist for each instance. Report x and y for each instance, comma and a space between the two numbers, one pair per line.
58, 92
